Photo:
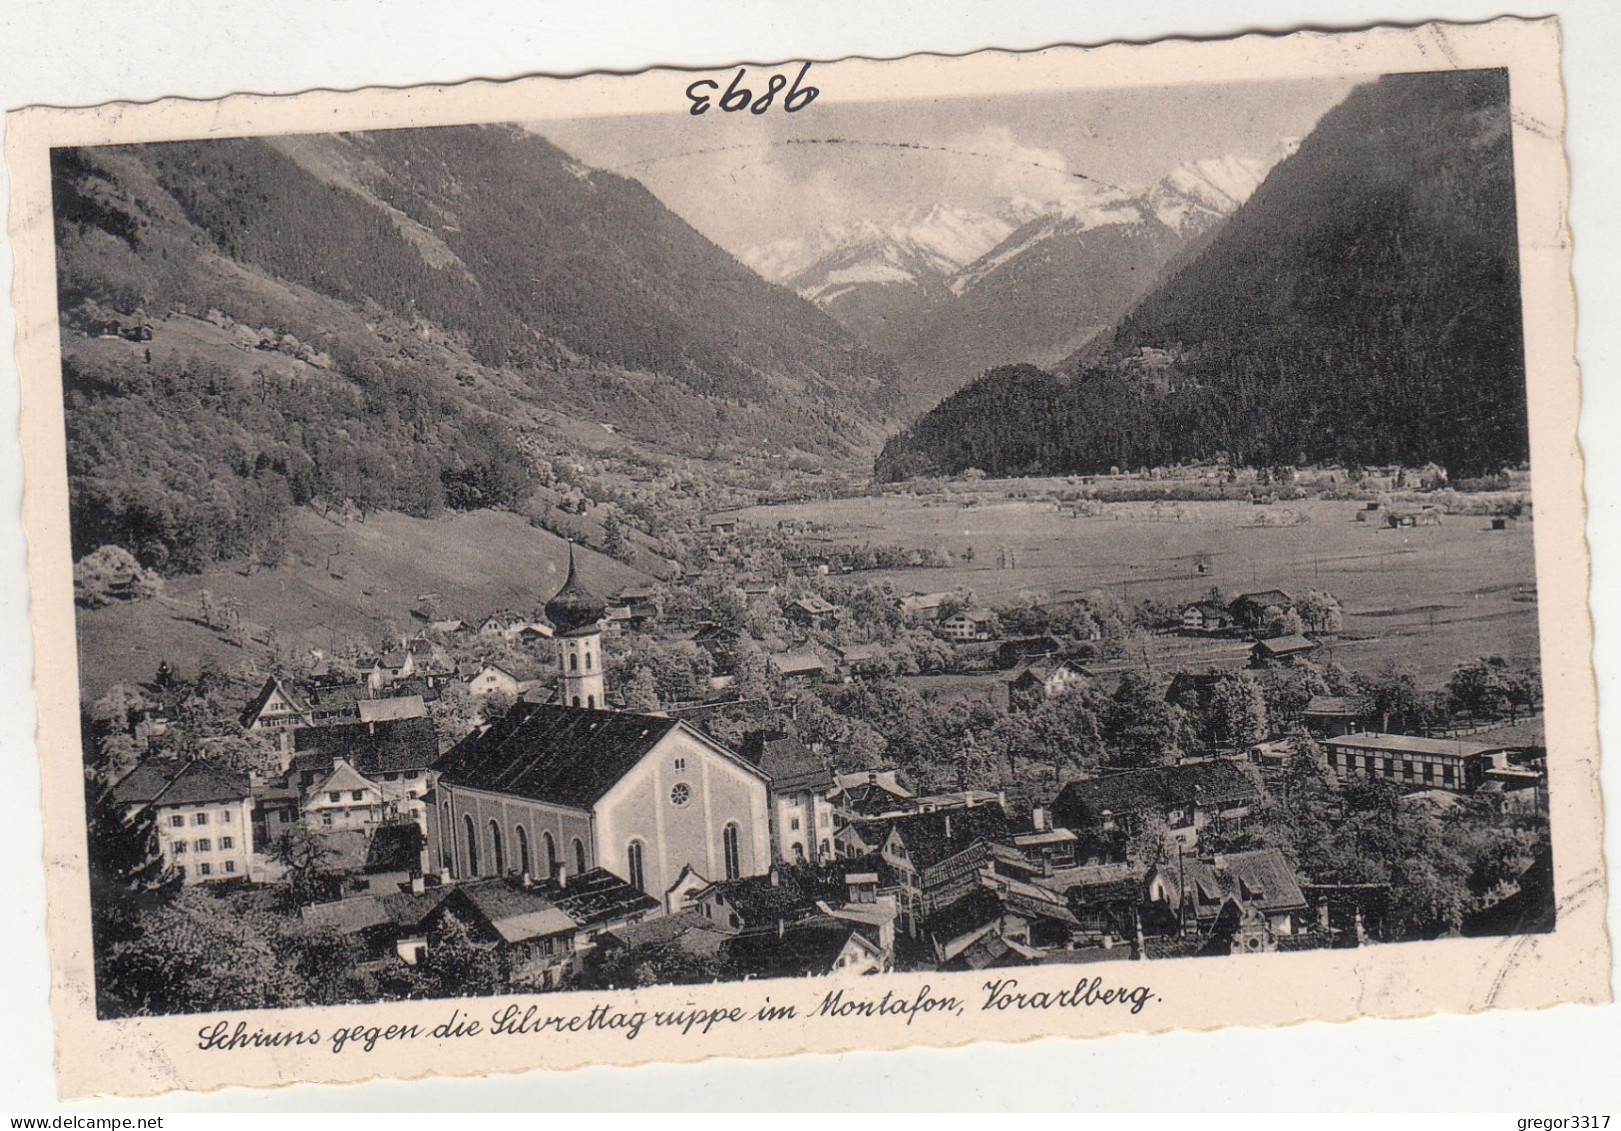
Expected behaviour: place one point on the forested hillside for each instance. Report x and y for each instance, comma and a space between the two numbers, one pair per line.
378, 320
1362, 306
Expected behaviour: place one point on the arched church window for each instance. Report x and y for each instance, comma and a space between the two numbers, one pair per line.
550, 847
498, 855
573, 661
633, 861
472, 844
579, 857
730, 849
523, 851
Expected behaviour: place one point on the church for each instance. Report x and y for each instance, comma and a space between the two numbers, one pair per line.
562, 788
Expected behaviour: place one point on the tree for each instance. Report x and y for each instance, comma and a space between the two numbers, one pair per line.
1480, 687
1320, 612
308, 858
1237, 714
196, 952
1393, 698
1139, 727
641, 691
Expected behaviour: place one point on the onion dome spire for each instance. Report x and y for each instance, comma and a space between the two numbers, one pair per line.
574, 608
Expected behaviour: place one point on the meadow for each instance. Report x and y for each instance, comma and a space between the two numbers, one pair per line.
1425, 597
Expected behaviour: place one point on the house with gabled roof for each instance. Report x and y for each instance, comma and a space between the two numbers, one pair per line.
1186, 797
812, 611
819, 946
1034, 683
278, 706
1254, 610
395, 755
203, 815
937, 855
1281, 651
342, 798
801, 809
1195, 892
800, 666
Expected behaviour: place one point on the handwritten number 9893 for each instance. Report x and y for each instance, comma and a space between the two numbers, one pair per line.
739, 97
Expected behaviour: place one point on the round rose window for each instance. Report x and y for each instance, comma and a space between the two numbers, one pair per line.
680, 794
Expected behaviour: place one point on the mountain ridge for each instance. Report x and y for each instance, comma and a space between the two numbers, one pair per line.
1361, 306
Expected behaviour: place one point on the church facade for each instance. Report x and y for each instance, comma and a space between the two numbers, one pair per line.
562, 788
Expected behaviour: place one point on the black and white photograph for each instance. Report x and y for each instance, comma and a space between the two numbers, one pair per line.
1036, 536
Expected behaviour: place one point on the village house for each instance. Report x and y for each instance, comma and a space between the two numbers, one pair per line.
1205, 618
382, 670
925, 605
751, 903
542, 930
798, 666
203, 815
1034, 683
1257, 893
1281, 651
1011, 654
1187, 798
822, 945
968, 627
1331, 716
1425, 763
720, 643
869, 796
927, 853
277, 706
811, 611
516, 627
1253, 611
395, 755
490, 679
862, 661
801, 811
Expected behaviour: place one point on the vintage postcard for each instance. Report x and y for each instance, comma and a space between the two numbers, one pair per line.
808, 556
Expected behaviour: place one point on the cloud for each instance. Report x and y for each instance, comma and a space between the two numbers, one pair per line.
1035, 179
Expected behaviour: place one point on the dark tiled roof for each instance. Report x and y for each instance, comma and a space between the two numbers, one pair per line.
1160, 787
757, 900
1333, 705
1262, 879
1285, 645
564, 755
807, 947
933, 837
384, 747
148, 779
689, 931
599, 896
991, 951
199, 783
788, 762
1265, 597
969, 913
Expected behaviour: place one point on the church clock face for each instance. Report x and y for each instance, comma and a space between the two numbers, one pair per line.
680, 794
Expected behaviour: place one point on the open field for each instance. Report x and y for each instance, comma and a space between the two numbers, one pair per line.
341, 581
1426, 597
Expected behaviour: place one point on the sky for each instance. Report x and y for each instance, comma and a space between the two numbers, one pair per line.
774, 176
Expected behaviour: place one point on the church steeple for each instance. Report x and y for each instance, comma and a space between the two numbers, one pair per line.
576, 613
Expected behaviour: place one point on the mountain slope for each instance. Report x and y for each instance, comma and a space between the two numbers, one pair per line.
389, 319
1060, 279
1362, 306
